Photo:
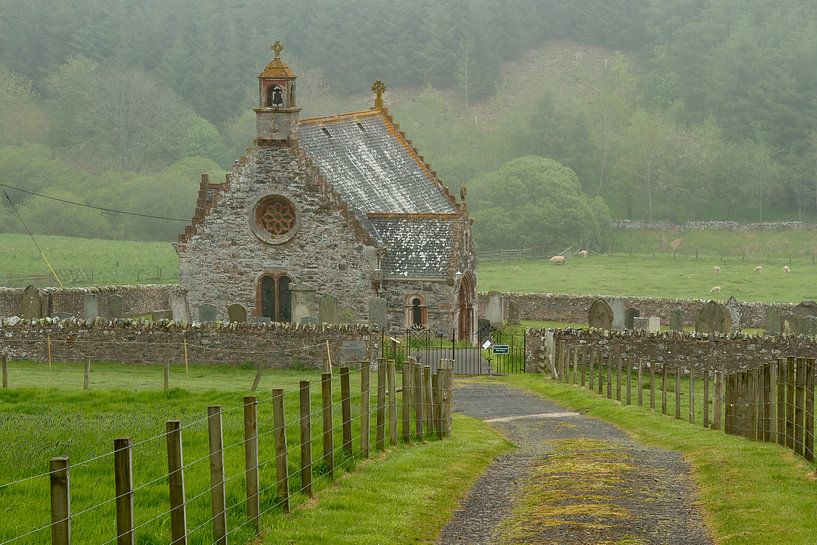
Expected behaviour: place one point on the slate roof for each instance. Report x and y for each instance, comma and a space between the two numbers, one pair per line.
371, 165
416, 247
388, 186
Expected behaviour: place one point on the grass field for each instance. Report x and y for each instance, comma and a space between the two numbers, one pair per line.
44, 413
752, 493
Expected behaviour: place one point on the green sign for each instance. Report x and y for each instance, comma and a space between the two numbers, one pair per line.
500, 349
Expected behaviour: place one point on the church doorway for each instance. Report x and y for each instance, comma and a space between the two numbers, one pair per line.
273, 299
466, 309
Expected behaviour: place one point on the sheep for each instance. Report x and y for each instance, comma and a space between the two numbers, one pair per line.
715, 289
759, 268
786, 269
583, 254
558, 260
716, 269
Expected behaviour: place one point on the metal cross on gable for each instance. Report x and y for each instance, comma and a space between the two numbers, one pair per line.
277, 47
378, 88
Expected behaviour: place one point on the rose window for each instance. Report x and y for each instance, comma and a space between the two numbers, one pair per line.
276, 215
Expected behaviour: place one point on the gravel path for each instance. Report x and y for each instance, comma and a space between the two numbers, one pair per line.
573, 480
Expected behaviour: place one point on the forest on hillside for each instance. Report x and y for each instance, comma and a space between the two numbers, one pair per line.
657, 109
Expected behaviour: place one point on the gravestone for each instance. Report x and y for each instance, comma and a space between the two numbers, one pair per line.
116, 307
734, 313
806, 308
654, 324
808, 325
713, 318
157, 315
328, 309
676, 319
353, 351
237, 313
304, 303
805, 312
208, 313
629, 315
618, 307
641, 323
90, 303
377, 312
789, 324
513, 313
179, 309
32, 304
495, 312
484, 328
600, 315
772, 321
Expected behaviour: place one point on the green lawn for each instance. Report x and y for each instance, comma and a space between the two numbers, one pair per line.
660, 276
45, 413
752, 493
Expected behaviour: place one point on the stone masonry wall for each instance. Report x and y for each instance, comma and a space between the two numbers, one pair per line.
136, 300
573, 308
136, 341
727, 353
223, 259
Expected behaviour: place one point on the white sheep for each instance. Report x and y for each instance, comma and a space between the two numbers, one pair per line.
759, 268
786, 269
715, 289
558, 260
716, 269
583, 254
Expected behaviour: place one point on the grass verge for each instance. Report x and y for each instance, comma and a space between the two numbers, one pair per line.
405, 498
752, 493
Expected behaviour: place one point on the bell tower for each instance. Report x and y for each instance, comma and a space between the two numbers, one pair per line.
276, 118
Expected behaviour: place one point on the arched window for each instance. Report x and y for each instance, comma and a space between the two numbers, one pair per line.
416, 312
273, 298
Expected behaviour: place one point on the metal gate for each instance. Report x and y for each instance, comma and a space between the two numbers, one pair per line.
497, 353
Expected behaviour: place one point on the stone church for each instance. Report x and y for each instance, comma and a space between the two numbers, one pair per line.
331, 219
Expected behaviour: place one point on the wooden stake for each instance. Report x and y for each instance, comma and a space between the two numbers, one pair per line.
664, 389
640, 383
60, 501
86, 377
49, 352
380, 431
418, 407
790, 387
218, 493
4, 360
406, 416
718, 402
782, 367
186, 360
809, 413
608, 362
773, 390
328, 424
428, 401
677, 392
175, 472
799, 405
447, 387
619, 364
258, 372
306, 439
691, 396
629, 396
251, 461
328, 367
652, 386
123, 479
582, 362
391, 379
346, 410
592, 378
365, 412
279, 432
706, 398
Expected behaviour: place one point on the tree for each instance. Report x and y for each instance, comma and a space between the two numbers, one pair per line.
533, 202
22, 119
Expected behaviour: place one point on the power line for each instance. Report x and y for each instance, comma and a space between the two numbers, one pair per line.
113, 210
31, 235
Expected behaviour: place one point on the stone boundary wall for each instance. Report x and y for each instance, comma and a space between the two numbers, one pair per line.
727, 353
136, 300
637, 225
573, 308
137, 341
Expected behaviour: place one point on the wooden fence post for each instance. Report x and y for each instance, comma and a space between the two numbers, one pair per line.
257, 380
428, 401
575, 364
809, 413
629, 395
418, 407
691, 396
392, 384
582, 365
782, 367
619, 363
790, 378
799, 405
664, 388
772, 407
280, 435
592, 377
640, 383
251, 461
380, 431
608, 361
365, 413
437, 406
346, 410
764, 410
652, 385
60, 501
5, 364
405, 421
123, 478
562, 359
86, 375
328, 427
706, 398
677, 392
718, 401
218, 495
446, 387
175, 479
306, 439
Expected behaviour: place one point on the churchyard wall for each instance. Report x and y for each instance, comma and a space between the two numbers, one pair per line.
573, 308
139, 341
727, 353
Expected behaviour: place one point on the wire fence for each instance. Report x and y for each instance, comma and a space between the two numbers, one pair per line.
772, 403
281, 460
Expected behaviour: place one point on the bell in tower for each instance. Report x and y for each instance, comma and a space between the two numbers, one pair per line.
276, 118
